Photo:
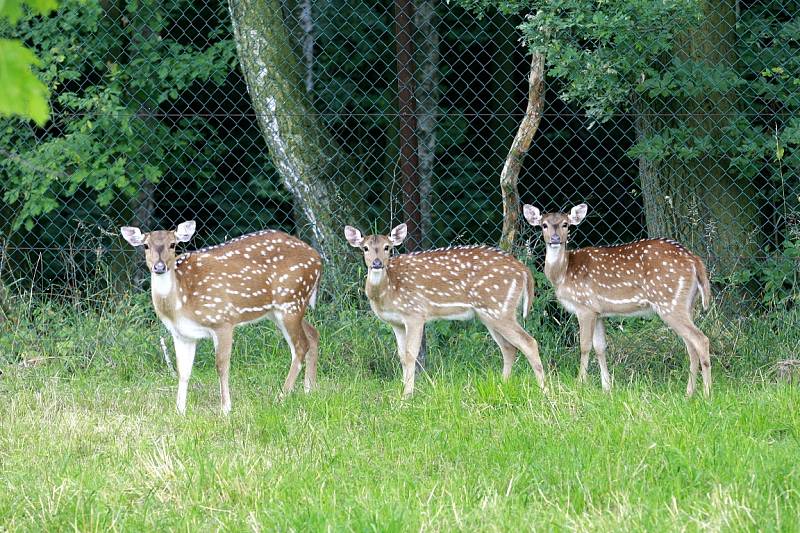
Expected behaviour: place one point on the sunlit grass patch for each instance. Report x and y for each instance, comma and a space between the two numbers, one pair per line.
91, 440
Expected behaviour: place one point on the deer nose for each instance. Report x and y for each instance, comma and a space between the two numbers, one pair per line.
160, 267
555, 239
377, 263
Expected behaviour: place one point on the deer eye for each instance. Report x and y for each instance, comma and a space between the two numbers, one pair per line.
544, 226
564, 225
172, 246
386, 248
146, 246
366, 248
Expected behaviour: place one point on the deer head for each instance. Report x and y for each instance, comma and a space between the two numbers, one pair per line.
159, 246
555, 226
376, 248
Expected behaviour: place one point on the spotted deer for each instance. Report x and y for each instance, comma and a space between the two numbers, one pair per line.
457, 283
208, 292
640, 278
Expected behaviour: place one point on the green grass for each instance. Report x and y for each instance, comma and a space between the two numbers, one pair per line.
89, 439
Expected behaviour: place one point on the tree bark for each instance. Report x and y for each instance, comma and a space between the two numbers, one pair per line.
144, 217
522, 141
140, 210
407, 110
700, 201
427, 109
409, 147
304, 156
307, 42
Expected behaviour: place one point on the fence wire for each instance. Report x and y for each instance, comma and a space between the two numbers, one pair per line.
670, 119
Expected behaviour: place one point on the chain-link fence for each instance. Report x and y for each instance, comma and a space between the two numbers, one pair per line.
668, 118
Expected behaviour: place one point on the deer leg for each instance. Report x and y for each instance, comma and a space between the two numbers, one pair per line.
292, 328
586, 323
184, 359
704, 352
701, 346
599, 343
508, 350
312, 356
517, 336
413, 340
223, 342
697, 346
400, 337
694, 365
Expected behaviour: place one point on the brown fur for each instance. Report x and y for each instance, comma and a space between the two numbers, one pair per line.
452, 284
650, 276
207, 292
222, 272
480, 277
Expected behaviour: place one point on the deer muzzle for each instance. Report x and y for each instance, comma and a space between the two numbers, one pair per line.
159, 268
555, 240
377, 264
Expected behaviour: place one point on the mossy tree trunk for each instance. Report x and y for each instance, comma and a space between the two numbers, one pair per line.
304, 154
700, 200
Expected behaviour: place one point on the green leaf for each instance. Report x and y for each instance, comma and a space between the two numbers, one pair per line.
21, 92
12, 9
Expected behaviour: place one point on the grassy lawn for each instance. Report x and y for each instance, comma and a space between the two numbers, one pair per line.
94, 443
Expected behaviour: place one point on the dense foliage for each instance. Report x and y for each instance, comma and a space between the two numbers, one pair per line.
136, 101
21, 92
714, 92
152, 123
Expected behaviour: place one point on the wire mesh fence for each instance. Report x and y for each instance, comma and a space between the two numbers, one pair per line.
673, 119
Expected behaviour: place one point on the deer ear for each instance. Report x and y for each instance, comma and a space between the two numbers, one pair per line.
353, 236
577, 214
398, 235
185, 231
132, 235
532, 215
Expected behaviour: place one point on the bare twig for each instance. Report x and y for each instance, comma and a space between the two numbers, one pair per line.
166, 357
522, 141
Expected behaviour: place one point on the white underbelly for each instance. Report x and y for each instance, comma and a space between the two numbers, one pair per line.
187, 328
272, 315
568, 305
453, 314
390, 316
646, 311
435, 311
636, 306
607, 307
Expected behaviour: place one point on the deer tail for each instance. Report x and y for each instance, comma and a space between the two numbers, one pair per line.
527, 293
312, 300
702, 281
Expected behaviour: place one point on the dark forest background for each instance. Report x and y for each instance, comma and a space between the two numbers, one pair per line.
675, 119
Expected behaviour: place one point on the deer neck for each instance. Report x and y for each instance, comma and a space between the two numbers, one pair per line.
165, 291
556, 263
379, 284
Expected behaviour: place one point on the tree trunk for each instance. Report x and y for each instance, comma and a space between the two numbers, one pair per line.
407, 114
126, 267
427, 109
304, 156
522, 141
407, 110
306, 16
144, 217
701, 201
